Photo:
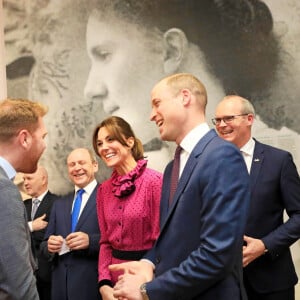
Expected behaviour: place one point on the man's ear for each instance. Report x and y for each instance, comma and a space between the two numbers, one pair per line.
25, 139
250, 118
175, 47
96, 166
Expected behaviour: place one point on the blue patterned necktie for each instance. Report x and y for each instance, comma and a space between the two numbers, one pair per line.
76, 208
175, 174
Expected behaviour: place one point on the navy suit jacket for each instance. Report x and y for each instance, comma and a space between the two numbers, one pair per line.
75, 274
44, 265
275, 187
198, 254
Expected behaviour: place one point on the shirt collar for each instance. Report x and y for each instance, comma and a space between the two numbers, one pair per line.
41, 196
192, 138
248, 148
8, 168
88, 188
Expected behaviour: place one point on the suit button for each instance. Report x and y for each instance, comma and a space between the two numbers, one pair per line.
157, 260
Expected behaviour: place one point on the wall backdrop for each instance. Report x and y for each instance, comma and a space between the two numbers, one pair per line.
90, 59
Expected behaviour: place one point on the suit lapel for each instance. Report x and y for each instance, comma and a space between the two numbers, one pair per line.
43, 206
187, 171
258, 157
67, 211
184, 178
90, 206
28, 207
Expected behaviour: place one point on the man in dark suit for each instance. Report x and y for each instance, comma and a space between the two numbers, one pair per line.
38, 211
22, 134
198, 253
75, 252
269, 273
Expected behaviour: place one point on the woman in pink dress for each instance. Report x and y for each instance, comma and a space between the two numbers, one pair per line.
127, 203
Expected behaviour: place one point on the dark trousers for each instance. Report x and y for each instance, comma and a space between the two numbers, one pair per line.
44, 289
288, 294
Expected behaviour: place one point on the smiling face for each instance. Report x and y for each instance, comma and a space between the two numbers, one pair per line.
167, 112
81, 167
123, 70
238, 129
113, 153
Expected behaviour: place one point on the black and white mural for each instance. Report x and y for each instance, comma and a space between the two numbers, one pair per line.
87, 59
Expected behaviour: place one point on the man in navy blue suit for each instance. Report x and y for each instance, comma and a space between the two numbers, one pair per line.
269, 273
198, 254
75, 252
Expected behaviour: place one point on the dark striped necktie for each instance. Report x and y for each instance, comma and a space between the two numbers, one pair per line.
175, 174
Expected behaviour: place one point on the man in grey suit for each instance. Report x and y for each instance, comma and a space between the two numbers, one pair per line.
38, 210
22, 134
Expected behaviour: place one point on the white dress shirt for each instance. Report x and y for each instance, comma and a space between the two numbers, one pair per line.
190, 141
247, 152
86, 195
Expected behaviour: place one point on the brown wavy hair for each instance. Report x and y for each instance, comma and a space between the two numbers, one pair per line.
119, 130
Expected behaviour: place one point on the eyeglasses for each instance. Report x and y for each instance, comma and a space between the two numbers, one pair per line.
226, 119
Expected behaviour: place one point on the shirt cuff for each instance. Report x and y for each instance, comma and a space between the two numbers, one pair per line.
149, 262
30, 226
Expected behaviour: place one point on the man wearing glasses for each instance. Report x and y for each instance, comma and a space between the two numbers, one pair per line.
269, 272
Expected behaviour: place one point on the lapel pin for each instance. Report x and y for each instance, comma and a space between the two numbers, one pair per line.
256, 159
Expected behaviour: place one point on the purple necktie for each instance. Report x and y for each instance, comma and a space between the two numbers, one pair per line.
175, 174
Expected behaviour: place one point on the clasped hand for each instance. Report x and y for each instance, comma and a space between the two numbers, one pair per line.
75, 241
135, 273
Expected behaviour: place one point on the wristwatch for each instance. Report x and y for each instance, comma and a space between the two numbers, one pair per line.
143, 291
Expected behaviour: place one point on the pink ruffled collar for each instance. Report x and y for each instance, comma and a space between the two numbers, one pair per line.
124, 185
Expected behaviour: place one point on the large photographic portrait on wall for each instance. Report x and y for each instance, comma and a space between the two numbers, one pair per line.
90, 59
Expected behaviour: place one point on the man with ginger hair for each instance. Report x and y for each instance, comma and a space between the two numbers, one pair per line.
22, 134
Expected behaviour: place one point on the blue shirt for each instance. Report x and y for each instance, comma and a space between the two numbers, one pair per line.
8, 168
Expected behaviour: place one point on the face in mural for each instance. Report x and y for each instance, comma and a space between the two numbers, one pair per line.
123, 71
125, 65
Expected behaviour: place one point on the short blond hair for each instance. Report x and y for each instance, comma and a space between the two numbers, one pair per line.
180, 81
246, 106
